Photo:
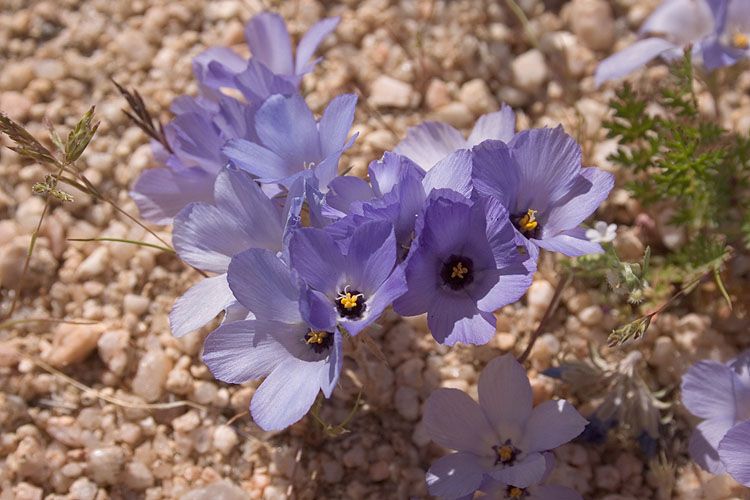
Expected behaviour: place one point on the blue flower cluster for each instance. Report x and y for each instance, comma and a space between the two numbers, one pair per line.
300, 257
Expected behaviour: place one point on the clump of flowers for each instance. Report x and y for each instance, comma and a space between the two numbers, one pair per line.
302, 258
719, 393
502, 443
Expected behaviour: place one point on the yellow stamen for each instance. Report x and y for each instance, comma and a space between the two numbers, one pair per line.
528, 222
505, 453
459, 270
515, 492
316, 337
740, 41
348, 300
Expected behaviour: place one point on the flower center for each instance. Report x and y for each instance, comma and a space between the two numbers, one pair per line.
318, 340
506, 453
527, 223
740, 41
350, 304
515, 492
457, 272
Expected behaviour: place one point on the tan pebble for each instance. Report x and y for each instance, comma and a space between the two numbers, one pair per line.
406, 401
135, 304
591, 315
529, 70
137, 476
476, 95
225, 439
186, 422
379, 471
26, 491
607, 477
73, 343
539, 296
149, 380
15, 105
438, 94
592, 22
456, 114
112, 347
104, 464
387, 92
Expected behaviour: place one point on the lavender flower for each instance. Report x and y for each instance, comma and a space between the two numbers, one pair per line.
543, 491
398, 193
292, 144
720, 394
465, 265
196, 136
430, 142
673, 26
272, 68
351, 282
730, 41
500, 439
297, 359
544, 187
206, 236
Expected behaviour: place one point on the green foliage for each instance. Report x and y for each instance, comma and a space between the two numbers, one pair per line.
676, 155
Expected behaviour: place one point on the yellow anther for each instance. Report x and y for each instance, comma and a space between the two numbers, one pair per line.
459, 270
528, 222
316, 337
740, 41
505, 453
348, 300
515, 492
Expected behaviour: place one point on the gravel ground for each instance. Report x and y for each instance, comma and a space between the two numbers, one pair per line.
156, 424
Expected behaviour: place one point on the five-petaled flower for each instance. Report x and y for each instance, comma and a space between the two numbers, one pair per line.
547, 192
297, 359
501, 440
720, 394
465, 265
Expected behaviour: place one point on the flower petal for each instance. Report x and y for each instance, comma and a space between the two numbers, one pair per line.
215, 67
495, 173
318, 310
386, 173
265, 285
550, 425
287, 127
422, 273
345, 190
287, 394
269, 42
452, 172
454, 420
371, 255
572, 243
200, 304
430, 142
238, 195
309, 43
684, 21
548, 162
160, 193
247, 350
391, 289
708, 390
455, 318
257, 82
315, 256
505, 396
631, 58
257, 160
527, 472
594, 186
500, 125
336, 122
206, 237
734, 451
454, 475
704, 443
